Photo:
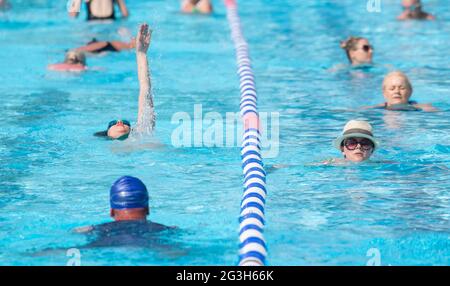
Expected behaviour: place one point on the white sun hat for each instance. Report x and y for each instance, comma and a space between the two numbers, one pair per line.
358, 129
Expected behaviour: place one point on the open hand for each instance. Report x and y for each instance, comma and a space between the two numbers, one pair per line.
143, 38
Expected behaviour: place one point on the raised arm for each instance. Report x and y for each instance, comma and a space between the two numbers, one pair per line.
123, 8
145, 97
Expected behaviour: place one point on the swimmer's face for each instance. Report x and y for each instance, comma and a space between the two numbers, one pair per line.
411, 4
118, 130
363, 53
396, 90
357, 149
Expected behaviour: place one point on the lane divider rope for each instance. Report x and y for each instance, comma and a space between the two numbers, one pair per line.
252, 247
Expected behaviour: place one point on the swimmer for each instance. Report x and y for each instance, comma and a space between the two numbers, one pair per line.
397, 91
357, 142
358, 50
197, 6
412, 9
129, 209
97, 47
75, 61
120, 129
98, 9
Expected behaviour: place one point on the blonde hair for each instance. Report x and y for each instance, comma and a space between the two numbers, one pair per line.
75, 57
350, 44
398, 74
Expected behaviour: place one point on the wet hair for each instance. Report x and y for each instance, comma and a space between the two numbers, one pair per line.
75, 57
101, 134
400, 74
350, 44
104, 134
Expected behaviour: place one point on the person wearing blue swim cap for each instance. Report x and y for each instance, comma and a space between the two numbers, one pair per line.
119, 129
129, 199
129, 209
359, 51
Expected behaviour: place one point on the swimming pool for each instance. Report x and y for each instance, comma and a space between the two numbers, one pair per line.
56, 176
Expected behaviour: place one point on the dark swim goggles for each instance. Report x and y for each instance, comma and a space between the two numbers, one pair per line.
114, 122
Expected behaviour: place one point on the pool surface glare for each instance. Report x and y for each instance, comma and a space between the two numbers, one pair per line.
56, 176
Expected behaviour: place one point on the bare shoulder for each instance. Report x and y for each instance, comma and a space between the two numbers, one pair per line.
427, 107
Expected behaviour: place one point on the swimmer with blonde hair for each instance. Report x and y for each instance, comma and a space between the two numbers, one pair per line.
397, 91
358, 50
74, 61
412, 10
197, 6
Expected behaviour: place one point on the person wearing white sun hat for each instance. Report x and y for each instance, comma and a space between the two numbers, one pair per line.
357, 142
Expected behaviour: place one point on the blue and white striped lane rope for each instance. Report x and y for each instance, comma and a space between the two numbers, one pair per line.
252, 248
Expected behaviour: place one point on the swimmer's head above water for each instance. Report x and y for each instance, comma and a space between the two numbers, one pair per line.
357, 142
129, 199
117, 130
358, 50
75, 57
412, 9
397, 88
73, 61
412, 6
397, 92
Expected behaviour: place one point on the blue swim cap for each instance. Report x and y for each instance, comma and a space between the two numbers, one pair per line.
128, 193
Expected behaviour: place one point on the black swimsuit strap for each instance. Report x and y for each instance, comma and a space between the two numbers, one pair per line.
107, 48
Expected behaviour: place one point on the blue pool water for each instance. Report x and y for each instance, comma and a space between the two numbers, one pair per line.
56, 176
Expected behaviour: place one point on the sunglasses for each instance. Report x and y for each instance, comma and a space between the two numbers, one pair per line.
352, 143
367, 48
114, 122
413, 7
